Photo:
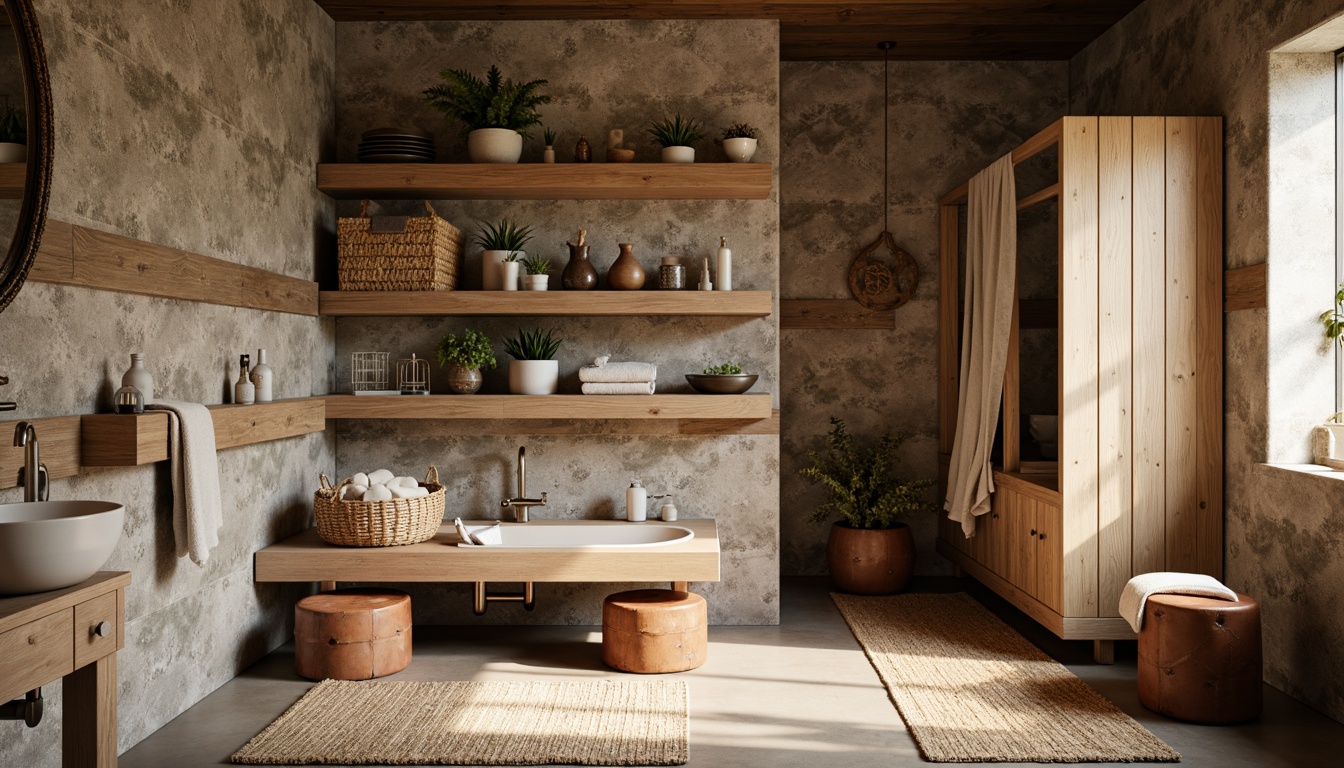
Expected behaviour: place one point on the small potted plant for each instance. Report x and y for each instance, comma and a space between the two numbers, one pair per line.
548, 154
723, 379
495, 113
1330, 435
537, 268
463, 357
534, 369
13, 135
677, 138
501, 243
869, 551
738, 142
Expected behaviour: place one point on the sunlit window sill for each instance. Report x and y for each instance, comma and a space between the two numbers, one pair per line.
1314, 470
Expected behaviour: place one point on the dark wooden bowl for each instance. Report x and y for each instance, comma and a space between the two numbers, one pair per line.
730, 384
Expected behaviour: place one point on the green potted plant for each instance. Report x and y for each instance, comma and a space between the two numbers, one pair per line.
548, 154
738, 142
501, 243
495, 113
870, 551
534, 369
538, 269
1327, 440
13, 135
723, 379
463, 357
677, 137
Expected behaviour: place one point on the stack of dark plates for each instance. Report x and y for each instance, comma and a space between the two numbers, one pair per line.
396, 145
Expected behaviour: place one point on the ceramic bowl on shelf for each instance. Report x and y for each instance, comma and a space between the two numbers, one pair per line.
726, 384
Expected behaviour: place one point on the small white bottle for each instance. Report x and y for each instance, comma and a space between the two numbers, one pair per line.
261, 378
636, 503
725, 263
243, 392
669, 510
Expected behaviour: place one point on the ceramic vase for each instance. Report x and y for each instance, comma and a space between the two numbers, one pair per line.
548, 156
678, 154
262, 378
534, 377
508, 276
138, 376
13, 153
463, 380
579, 274
492, 267
494, 145
870, 562
536, 282
739, 150
625, 274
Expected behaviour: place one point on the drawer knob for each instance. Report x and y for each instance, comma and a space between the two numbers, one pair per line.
1033, 532
102, 629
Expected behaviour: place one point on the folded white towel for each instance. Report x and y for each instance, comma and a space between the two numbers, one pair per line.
618, 388
603, 371
1142, 586
488, 536
197, 509
463, 533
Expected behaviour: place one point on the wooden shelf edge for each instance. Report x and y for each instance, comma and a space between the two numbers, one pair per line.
749, 407
545, 303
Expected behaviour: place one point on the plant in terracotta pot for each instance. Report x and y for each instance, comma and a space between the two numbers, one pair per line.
463, 357
738, 142
538, 277
677, 137
495, 113
13, 135
870, 551
502, 244
534, 369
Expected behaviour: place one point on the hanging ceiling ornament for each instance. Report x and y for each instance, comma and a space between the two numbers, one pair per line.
883, 282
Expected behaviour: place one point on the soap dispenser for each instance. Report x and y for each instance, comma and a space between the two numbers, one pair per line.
636, 502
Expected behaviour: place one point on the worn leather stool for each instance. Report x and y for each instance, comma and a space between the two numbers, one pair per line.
1199, 658
352, 634
654, 630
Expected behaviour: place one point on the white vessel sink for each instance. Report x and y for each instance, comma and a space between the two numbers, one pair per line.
47, 545
561, 534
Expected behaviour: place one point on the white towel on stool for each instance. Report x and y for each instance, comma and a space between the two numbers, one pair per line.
618, 388
197, 513
607, 372
1142, 586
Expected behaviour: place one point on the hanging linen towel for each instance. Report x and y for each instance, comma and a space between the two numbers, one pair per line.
197, 511
603, 371
618, 387
1141, 587
991, 277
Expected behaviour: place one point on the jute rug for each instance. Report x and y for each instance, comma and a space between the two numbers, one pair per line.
597, 722
972, 690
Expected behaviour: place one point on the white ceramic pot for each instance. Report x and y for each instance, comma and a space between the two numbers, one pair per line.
494, 145
536, 282
534, 377
548, 155
490, 268
739, 150
508, 276
678, 154
13, 153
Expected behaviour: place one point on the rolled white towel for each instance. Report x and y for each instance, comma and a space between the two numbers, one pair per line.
1139, 588
618, 388
603, 371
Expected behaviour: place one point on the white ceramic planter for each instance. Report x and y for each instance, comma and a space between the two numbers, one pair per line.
534, 377
490, 268
508, 275
13, 153
536, 282
739, 150
678, 154
494, 145
548, 156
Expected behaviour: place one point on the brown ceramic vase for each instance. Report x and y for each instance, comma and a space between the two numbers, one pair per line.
463, 380
579, 274
625, 274
871, 562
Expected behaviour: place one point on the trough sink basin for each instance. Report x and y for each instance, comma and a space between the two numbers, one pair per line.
47, 545
556, 534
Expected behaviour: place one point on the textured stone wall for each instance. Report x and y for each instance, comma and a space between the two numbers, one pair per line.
603, 75
196, 126
948, 120
1284, 537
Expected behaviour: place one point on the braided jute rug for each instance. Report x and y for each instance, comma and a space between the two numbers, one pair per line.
972, 690
600, 722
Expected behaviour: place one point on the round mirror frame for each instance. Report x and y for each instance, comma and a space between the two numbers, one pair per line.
37, 183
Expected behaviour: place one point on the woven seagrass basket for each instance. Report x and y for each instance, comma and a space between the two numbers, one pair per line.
397, 253
378, 523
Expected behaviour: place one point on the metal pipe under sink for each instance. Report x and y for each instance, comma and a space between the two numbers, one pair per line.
483, 598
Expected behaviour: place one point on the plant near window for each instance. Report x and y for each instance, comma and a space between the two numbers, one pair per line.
491, 103
1333, 319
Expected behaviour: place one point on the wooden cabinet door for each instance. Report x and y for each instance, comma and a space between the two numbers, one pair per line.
1049, 556
1021, 552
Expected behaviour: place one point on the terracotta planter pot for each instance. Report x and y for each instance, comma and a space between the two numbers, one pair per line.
871, 562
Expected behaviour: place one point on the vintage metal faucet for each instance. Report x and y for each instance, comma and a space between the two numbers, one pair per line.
34, 478
520, 504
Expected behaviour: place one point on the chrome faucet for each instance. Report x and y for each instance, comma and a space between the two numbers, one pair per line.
520, 504
34, 478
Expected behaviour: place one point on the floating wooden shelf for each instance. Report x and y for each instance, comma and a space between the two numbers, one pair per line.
535, 181
13, 177
544, 303
588, 407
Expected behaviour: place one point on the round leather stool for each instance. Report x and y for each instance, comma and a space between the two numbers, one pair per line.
352, 634
654, 630
1199, 658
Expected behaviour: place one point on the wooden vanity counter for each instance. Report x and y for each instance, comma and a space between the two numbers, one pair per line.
305, 557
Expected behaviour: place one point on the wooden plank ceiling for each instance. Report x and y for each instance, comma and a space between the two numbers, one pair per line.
815, 29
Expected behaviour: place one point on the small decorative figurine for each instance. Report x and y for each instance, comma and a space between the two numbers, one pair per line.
582, 152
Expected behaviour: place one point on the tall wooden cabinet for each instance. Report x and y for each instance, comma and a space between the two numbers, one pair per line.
1136, 483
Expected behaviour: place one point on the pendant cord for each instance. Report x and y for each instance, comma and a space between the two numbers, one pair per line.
886, 135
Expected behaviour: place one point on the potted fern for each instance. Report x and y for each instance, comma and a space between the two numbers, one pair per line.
495, 113
534, 369
464, 356
537, 268
501, 243
738, 142
677, 137
870, 551
13, 135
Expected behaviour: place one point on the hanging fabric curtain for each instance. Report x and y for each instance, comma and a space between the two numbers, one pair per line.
991, 282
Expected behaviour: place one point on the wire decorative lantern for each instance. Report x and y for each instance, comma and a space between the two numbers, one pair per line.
368, 371
413, 376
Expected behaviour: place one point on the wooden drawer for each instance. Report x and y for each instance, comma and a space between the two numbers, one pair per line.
96, 628
36, 653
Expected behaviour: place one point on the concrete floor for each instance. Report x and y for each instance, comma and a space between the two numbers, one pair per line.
799, 694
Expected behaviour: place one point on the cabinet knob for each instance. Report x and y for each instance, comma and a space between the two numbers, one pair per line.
1033, 532
1042, 536
994, 515
102, 629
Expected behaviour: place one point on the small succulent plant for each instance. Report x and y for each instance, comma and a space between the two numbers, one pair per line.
505, 235
532, 345
676, 132
548, 134
738, 131
537, 265
726, 369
